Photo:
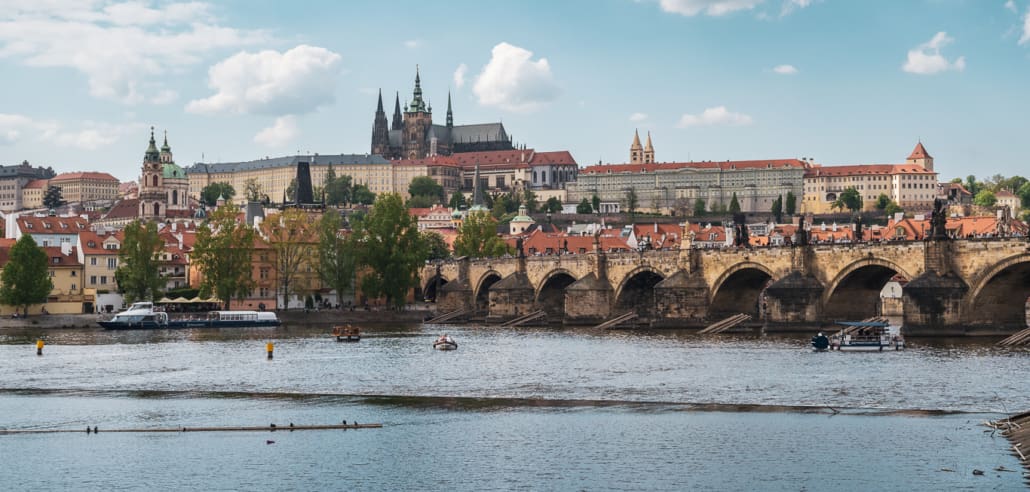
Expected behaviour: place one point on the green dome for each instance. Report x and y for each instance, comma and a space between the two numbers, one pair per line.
171, 170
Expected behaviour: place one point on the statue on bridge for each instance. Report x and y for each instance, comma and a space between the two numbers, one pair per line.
801, 232
858, 228
740, 236
519, 251
938, 218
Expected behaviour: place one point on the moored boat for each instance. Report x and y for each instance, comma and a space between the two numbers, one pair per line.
820, 342
346, 333
867, 336
445, 342
141, 315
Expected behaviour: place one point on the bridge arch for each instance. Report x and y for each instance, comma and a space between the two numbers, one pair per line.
636, 291
999, 297
737, 290
854, 293
550, 294
430, 289
482, 292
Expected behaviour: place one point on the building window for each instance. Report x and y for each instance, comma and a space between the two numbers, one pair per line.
92, 280
93, 261
103, 280
112, 263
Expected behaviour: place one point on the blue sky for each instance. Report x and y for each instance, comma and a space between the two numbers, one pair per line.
843, 82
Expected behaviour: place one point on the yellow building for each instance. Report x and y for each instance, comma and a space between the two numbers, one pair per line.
67, 295
98, 254
912, 185
33, 192
86, 186
273, 175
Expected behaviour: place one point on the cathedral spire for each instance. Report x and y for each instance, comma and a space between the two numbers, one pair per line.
417, 104
379, 108
165, 147
398, 121
152, 154
450, 114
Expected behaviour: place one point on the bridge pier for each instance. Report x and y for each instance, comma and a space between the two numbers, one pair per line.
510, 298
588, 300
454, 296
681, 300
792, 300
933, 304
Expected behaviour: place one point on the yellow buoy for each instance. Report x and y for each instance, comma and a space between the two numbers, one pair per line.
39, 347
269, 347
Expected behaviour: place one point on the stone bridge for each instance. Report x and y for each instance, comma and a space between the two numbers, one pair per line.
954, 286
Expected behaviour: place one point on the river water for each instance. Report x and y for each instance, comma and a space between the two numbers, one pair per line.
528, 409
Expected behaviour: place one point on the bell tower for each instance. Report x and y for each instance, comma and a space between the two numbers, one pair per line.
152, 198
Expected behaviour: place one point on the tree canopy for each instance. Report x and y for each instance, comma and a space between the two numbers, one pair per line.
53, 197
457, 201
427, 187
210, 194
389, 250
735, 205
584, 207
335, 257
223, 253
985, 198
437, 246
26, 279
699, 207
791, 204
850, 199
290, 235
138, 274
361, 194
477, 237
552, 205
777, 208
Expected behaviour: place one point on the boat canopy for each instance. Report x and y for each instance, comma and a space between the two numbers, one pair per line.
864, 324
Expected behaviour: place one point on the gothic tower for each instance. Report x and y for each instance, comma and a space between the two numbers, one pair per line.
380, 132
417, 120
450, 114
152, 200
398, 120
648, 150
635, 150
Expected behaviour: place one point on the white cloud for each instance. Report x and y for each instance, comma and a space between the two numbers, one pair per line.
295, 82
1025, 38
718, 115
637, 117
281, 132
92, 135
926, 58
123, 48
691, 8
785, 69
1011, 5
412, 44
792, 5
459, 75
513, 82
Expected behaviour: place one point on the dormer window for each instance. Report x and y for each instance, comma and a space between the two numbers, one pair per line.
46, 225
91, 244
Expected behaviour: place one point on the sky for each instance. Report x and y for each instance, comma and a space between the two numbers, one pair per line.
837, 81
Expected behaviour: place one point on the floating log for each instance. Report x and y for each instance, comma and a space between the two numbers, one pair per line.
268, 428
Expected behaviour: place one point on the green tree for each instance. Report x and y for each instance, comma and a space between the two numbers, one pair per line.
972, 186
335, 256
595, 202
427, 187
584, 207
632, 202
735, 205
529, 199
777, 209
882, 201
1024, 195
389, 250
26, 279
1014, 183
420, 201
893, 208
850, 199
291, 191
223, 252
292, 240
457, 201
552, 205
361, 194
338, 190
791, 206
438, 249
985, 198
253, 190
699, 207
209, 194
138, 262
53, 198
477, 237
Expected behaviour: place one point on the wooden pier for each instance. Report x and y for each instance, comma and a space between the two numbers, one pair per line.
521, 320
1016, 428
1019, 338
446, 317
264, 428
725, 324
622, 318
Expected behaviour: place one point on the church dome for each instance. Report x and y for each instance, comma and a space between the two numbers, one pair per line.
171, 170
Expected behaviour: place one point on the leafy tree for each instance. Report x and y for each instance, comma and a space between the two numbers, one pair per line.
699, 207
427, 187
892, 208
138, 261
632, 201
291, 190
292, 240
985, 198
972, 186
223, 253
1024, 195
438, 249
1014, 184
389, 250
338, 191
457, 201
529, 199
777, 209
477, 237
499, 209
26, 279
584, 207
735, 205
552, 205
791, 205
253, 190
420, 201
53, 197
361, 194
210, 194
882, 201
335, 257
850, 199
595, 202
956, 180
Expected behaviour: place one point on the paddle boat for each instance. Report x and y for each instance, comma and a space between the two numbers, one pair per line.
346, 333
867, 336
445, 342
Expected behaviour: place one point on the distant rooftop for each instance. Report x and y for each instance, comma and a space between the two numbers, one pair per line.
286, 161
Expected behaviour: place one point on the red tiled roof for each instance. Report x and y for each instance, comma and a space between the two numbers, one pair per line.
57, 225
5, 249
518, 159
93, 243
865, 169
553, 157
674, 166
84, 175
36, 184
920, 152
124, 209
64, 260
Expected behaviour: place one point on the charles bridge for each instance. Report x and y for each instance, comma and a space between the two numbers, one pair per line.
954, 286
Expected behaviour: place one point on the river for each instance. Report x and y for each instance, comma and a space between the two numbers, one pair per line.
529, 409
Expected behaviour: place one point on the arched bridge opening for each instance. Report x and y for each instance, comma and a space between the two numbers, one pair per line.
483, 293
432, 288
1001, 301
637, 294
857, 295
740, 292
551, 296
